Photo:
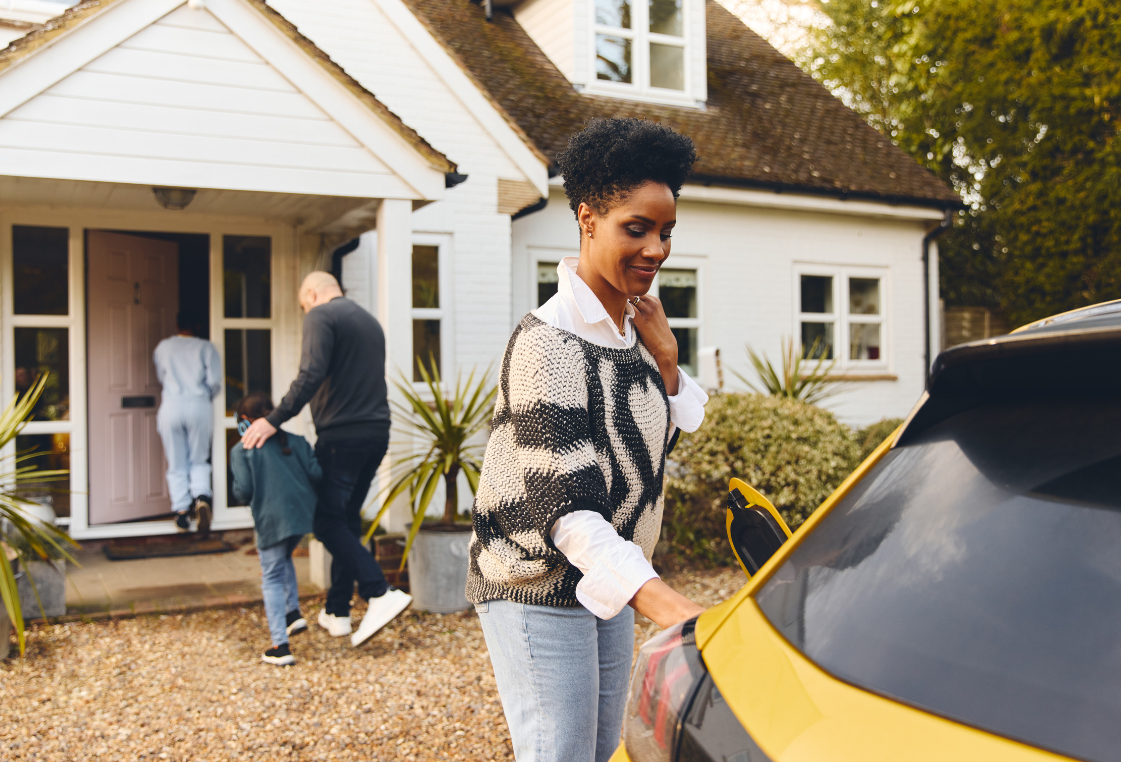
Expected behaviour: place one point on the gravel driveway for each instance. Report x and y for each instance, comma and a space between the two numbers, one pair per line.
192, 687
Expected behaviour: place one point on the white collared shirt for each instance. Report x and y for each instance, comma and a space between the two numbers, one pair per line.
614, 569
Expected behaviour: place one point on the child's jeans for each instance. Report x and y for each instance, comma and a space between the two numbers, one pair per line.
278, 585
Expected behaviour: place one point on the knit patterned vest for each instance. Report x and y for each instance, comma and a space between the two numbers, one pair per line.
577, 427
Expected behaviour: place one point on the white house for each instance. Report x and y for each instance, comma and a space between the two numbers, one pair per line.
155, 153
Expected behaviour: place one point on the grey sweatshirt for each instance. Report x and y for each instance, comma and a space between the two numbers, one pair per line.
342, 374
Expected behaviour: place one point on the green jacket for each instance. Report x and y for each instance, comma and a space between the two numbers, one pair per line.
279, 488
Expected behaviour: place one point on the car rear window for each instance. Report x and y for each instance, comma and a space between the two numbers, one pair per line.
976, 573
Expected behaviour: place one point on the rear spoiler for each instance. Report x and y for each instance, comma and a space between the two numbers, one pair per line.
1083, 362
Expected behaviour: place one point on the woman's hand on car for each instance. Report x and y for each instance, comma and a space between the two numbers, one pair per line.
663, 605
652, 325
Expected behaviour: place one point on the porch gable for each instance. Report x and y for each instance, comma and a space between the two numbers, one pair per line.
227, 97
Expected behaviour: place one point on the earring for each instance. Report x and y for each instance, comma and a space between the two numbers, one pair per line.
589, 232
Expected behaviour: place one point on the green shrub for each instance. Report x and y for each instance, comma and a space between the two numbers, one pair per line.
870, 437
793, 452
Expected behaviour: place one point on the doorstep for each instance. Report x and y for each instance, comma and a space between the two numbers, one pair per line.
100, 587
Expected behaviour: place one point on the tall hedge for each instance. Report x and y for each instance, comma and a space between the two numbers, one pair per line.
793, 452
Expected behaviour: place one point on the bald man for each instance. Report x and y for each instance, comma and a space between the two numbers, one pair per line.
342, 376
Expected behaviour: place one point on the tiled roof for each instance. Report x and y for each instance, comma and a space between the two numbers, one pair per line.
78, 14
766, 123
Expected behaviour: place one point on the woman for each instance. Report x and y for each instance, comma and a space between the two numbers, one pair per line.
569, 503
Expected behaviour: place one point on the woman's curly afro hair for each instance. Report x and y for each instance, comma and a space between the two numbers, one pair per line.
609, 158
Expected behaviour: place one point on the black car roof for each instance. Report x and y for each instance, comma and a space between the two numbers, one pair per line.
1075, 353
1104, 315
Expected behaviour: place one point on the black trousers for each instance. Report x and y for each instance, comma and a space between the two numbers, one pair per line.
348, 469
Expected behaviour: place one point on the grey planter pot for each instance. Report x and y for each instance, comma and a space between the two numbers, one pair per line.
50, 581
438, 569
5, 633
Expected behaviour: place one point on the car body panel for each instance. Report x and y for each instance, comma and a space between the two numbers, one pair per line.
797, 712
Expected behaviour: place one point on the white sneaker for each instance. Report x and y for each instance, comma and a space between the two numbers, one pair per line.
380, 612
337, 626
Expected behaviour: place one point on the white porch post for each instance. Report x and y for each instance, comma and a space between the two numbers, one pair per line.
394, 311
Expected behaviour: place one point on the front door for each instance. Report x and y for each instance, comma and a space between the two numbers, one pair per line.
133, 298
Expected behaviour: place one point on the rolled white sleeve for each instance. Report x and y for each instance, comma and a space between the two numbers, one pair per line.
687, 407
614, 569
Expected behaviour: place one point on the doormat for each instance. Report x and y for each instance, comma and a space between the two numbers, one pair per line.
185, 547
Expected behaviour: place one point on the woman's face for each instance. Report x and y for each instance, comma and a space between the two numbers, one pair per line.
628, 244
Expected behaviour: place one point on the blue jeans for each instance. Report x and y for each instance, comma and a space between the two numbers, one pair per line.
348, 469
562, 675
278, 586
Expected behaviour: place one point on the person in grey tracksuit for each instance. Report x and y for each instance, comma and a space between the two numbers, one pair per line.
190, 372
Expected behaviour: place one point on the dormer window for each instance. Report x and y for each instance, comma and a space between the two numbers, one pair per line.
640, 46
642, 50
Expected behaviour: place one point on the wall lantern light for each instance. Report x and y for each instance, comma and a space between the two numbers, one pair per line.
175, 199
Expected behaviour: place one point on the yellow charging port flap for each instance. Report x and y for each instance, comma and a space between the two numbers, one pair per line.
755, 529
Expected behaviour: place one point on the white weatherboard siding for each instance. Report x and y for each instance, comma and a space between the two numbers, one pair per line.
186, 102
369, 44
366, 42
747, 259
551, 24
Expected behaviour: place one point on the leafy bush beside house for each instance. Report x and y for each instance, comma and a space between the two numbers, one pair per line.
792, 451
870, 437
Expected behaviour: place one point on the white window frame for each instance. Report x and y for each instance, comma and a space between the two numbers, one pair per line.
639, 88
697, 264
219, 324
538, 255
443, 313
74, 323
841, 318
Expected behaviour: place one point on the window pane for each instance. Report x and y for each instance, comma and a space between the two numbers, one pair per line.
817, 293
613, 58
41, 266
547, 281
48, 452
247, 276
426, 277
615, 13
426, 347
41, 351
865, 341
678, 291
686, 349
864, 296
665, 17
248, 365
667, 66
817, 340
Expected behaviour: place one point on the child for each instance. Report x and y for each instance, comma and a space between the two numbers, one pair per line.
277, 481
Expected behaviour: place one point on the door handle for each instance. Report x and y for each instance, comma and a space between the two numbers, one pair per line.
141, 401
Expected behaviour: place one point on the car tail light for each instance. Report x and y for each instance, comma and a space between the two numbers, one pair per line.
666, 676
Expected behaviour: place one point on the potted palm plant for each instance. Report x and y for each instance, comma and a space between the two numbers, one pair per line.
23, 536
443, 428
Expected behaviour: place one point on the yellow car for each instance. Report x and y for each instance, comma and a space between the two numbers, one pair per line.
957, 598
